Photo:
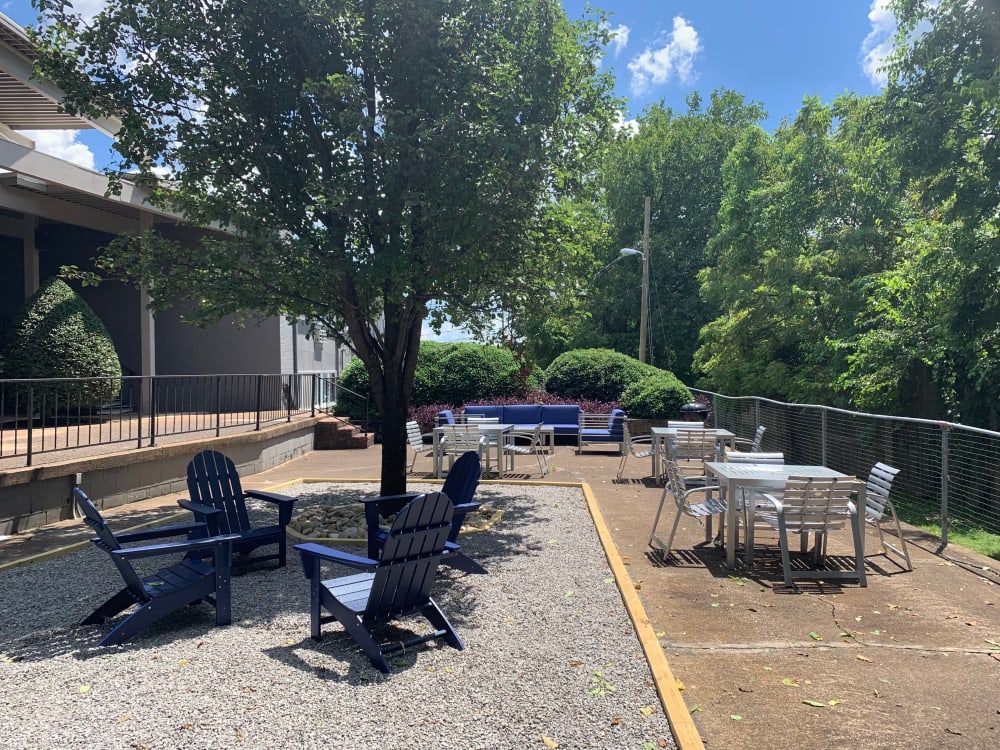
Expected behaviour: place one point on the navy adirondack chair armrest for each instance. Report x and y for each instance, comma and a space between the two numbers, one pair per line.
285, 503
207, 512
194, 530
214, 543
312, 554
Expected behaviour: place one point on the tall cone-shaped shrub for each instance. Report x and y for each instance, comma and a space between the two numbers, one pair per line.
58, 335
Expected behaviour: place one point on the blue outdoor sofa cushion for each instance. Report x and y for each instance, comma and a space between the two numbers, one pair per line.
563, 418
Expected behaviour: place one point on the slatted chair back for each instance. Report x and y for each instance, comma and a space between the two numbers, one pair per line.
212, 480
745, 457
691, 449
816, 505
410, 557
415, 439
218, 499
813, 505
107, 541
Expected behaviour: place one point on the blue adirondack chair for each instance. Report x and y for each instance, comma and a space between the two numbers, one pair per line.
395, 585
460, 486
191, 580
218, 499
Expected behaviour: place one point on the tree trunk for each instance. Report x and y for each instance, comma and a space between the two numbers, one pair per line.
394, 412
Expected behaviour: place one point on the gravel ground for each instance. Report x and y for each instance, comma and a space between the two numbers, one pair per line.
550, 658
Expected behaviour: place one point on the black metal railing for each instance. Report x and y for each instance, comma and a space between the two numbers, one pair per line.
41, 416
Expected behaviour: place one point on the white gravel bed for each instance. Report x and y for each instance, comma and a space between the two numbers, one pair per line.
551, 658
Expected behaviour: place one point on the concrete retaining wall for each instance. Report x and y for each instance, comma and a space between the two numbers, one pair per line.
38, 495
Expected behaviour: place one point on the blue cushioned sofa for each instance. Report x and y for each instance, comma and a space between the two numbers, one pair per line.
564, 419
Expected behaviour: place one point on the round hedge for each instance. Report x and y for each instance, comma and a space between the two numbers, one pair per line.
58, 335
447, 373
597, 374
658, 396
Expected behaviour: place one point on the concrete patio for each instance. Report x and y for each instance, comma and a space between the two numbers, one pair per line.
910, 661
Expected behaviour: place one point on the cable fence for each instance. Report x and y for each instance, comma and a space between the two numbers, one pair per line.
949, 473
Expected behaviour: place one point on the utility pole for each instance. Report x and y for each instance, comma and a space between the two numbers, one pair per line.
644, 309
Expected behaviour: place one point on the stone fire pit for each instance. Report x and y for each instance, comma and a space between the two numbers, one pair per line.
346, 523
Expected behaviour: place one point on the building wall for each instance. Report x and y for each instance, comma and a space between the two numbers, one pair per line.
183, 349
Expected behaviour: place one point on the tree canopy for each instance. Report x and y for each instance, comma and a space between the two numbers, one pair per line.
374, 162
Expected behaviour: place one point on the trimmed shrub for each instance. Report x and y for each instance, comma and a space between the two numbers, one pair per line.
447, 373
58, 335
597, 374
659, 396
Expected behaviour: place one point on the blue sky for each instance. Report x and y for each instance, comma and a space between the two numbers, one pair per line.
771, 51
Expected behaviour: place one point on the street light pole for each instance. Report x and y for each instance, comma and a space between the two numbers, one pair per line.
644, 307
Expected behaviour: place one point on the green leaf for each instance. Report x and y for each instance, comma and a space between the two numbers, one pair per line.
816, 636
815, 704
789, 682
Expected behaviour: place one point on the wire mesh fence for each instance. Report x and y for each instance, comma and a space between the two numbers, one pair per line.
948, 472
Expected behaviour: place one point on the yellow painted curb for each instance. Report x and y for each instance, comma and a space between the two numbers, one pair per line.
681, 724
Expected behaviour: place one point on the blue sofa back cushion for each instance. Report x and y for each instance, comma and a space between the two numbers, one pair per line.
526, 414
484, 410
445, 417
563, 418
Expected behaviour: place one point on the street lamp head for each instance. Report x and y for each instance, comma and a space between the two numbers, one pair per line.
626, 251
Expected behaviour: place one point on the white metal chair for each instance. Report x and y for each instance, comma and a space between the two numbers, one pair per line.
879, 508
415, 440
690, 450
751, 444
456, 439
675, 490
816, 506
640, 446
533, 447
750, 502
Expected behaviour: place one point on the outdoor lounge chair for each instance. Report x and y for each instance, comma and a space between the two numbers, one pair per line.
459, 486
157, 595
395, 585
218, 499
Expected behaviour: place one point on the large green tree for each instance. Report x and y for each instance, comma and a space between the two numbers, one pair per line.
676, 160
806, 219
376, 161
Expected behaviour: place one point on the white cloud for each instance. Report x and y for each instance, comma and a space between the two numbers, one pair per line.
620, 40
654, 67
878, 44
630, 126
63, 145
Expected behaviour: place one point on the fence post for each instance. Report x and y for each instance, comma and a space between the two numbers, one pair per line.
312, 411
138, 415
260, 385
31, 421
822, 432
292, 396
944, 487
218, 405
152, 411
